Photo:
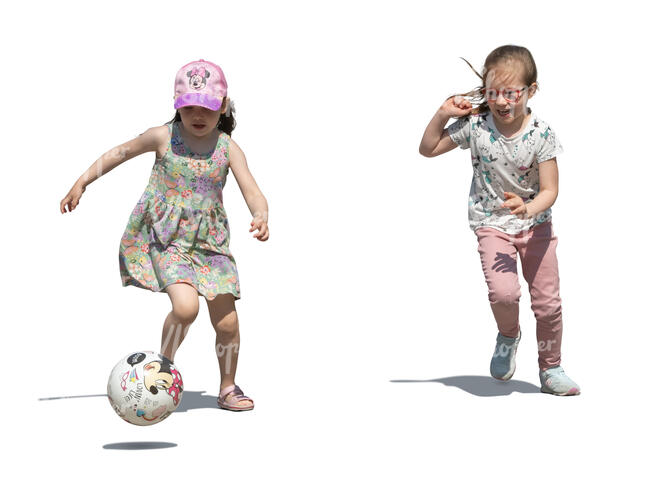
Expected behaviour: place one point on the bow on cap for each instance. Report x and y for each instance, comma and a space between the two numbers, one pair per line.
198, 71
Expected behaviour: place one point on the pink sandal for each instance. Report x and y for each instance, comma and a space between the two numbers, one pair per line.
231, 396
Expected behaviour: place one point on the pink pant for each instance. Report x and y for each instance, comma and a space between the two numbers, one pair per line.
536, 249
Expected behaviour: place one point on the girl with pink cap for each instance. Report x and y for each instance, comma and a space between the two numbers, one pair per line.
177, 237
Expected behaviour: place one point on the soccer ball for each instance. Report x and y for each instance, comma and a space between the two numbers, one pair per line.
144, 388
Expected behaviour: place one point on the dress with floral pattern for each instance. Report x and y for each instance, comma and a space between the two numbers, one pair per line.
178, 231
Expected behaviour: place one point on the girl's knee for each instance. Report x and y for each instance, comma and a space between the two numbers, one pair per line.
550, 309
229, 324
185, 301
185, 308
505, 296
186, 311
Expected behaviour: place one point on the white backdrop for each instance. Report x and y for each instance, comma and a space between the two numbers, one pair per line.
365, 325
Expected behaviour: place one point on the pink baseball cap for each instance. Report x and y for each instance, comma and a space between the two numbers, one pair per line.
200, 83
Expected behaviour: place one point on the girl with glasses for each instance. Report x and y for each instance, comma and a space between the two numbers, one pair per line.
515, 182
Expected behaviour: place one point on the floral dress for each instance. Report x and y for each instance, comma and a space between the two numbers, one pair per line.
178, 231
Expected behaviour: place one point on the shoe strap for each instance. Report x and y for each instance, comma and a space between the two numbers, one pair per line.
238, 393
227, 390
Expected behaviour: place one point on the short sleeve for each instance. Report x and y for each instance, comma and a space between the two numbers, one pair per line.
459, 132
549, 146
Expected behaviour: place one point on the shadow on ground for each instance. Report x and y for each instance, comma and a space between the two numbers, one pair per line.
191, 400
482, 386
138, 445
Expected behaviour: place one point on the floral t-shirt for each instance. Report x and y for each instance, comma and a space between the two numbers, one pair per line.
504, 165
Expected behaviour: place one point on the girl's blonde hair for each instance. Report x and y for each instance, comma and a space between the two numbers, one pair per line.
503, 54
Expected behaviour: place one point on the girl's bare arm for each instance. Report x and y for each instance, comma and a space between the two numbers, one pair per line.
148, 141
435, 140
252, 194
145, 142
548, 188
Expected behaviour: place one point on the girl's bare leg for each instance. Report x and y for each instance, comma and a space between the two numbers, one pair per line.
185, 308
223, 316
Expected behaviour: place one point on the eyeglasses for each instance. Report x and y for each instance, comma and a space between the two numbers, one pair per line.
512, 95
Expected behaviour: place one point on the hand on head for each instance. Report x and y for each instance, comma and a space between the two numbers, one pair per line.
456, 106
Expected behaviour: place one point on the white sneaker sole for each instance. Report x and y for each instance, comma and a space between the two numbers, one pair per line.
571, 392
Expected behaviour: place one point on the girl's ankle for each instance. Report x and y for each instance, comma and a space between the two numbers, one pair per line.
225, 385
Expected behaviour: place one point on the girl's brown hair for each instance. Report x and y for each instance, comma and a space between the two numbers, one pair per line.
504, 54
225, 124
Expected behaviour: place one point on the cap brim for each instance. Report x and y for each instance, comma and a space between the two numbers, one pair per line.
198, 100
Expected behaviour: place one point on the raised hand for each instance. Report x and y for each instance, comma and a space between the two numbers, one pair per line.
456, 106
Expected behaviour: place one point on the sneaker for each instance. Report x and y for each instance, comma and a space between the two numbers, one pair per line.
502, 366
555, 381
